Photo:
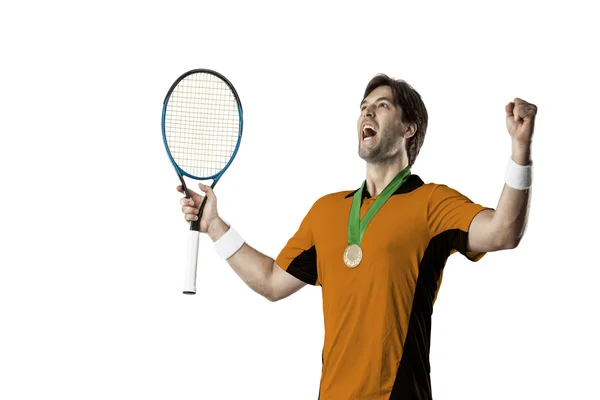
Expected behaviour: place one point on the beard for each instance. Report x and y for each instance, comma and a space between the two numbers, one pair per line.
389, 145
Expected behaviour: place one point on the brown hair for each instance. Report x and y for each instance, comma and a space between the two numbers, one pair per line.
413, 110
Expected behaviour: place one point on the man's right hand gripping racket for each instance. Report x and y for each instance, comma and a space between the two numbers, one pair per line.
202, 130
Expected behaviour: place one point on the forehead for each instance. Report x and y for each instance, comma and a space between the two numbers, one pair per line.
380, 91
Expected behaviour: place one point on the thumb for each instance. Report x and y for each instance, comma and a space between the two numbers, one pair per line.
207, 189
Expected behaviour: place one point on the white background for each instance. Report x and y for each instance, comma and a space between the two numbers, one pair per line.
93, 239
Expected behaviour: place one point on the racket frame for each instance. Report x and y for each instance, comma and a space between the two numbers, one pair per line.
192, 253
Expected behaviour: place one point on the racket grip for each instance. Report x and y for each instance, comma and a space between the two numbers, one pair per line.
191, 265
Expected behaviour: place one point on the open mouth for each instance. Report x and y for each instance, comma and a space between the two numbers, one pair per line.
369, 131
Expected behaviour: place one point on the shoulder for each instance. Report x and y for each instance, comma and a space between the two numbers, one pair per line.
335, 199
433, 186
329, 203
440, 191
440, 196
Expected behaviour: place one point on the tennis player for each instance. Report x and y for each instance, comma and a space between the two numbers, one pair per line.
378, 252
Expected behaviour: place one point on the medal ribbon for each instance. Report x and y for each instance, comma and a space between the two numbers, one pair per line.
356, 226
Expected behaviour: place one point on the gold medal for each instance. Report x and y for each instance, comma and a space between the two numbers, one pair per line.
353, 255
356, 225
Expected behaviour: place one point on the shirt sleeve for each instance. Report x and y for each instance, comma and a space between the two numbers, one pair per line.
299, 256
450, 213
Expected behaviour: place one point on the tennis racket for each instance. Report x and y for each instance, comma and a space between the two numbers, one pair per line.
202, 130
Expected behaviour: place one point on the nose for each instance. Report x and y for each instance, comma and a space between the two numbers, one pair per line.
368, 111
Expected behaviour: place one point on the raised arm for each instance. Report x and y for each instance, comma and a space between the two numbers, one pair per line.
505, 227
258, 271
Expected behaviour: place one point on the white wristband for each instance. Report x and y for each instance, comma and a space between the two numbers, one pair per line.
229, 243
518, 176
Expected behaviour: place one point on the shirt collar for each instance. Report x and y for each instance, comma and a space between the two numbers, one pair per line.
412, 182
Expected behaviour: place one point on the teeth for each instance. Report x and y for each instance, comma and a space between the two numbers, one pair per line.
371, 127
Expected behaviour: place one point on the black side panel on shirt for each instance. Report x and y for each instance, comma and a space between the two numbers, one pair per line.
412, 379
304, 266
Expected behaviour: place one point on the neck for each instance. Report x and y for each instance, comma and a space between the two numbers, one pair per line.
380, 175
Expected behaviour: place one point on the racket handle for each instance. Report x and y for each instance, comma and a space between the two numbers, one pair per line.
189, 285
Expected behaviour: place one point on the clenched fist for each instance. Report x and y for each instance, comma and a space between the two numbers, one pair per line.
520, 119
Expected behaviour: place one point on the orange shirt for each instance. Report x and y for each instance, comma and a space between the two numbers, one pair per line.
378, 315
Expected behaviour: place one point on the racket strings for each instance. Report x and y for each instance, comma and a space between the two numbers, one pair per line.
202, 124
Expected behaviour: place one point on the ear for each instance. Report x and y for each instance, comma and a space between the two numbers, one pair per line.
410, 130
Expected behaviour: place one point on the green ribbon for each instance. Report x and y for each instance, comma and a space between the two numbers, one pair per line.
356, 226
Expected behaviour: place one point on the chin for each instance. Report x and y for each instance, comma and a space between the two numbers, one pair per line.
367, 156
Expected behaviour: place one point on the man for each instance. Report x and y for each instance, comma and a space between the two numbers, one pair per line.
379, 252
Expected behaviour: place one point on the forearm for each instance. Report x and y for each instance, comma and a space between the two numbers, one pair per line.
253, 267
512, 211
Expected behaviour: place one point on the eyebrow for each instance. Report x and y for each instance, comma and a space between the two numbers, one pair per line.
376, 100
